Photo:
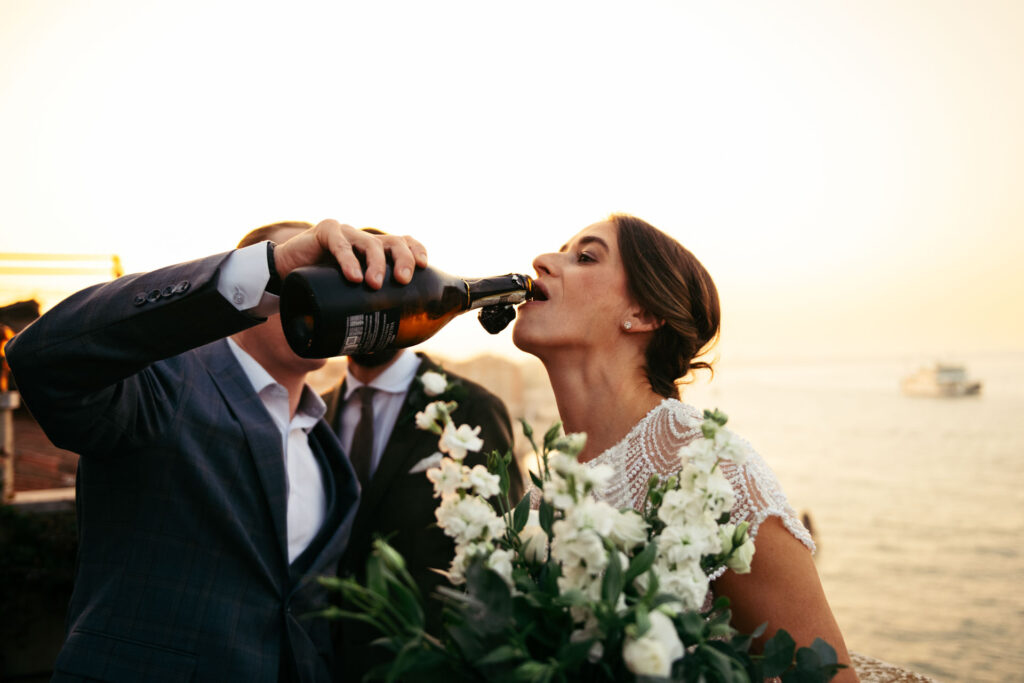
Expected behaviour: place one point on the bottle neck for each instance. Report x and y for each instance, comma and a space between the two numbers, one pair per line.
499, 290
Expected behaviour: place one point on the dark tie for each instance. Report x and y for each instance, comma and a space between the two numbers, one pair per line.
362, 438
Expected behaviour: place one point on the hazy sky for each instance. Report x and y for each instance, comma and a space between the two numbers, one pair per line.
850, 173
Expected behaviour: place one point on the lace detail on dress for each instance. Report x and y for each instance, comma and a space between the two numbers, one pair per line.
651, 447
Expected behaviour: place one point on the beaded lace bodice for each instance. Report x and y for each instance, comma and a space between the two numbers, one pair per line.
651, 447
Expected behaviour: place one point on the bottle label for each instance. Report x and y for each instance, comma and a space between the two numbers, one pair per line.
516, 297
369, 332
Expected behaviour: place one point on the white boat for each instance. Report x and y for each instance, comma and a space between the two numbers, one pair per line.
940, 381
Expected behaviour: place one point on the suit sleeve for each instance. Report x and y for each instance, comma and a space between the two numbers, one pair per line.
85, 368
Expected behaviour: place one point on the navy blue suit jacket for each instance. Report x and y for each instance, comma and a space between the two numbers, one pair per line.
183, 570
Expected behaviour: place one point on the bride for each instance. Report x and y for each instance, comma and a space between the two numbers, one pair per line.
626, 311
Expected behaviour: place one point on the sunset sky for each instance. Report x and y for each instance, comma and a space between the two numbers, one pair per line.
852, 174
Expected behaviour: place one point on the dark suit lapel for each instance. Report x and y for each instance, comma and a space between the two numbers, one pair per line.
261, 434
400, 454
342, 490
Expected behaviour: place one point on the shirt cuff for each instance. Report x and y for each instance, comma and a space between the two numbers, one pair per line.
243, 280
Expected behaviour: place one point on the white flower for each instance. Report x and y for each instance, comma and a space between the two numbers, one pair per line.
427, 463
533, 539
463, 555
679, 506
719, 496
573, 546
653, 653
570, 444
483, 482
687, 583
558, 493
434, 383
629, 530
699, 453
447, 478
594, 514
428, 418
468, 520
535, 544
731, 446
741, 557
455, 442
589, 630
598, 476
564, 464
501, 562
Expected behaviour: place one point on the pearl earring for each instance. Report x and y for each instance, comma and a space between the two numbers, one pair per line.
627, 325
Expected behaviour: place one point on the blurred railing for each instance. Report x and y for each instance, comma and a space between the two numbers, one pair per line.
40, 264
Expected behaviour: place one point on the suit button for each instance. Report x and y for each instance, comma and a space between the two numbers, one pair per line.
140, 299
182, 287
153, 296
168, 290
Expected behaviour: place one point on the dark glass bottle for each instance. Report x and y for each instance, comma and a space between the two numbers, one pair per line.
325, 315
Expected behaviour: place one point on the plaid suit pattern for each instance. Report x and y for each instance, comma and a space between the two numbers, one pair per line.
182, 570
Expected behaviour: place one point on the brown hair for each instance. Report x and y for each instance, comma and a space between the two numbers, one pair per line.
267, 232
672, 285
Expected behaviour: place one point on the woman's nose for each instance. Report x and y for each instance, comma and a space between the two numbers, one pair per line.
543, 264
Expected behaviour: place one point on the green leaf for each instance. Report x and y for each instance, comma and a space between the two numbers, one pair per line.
537, 481
808, 668
546, 513
641, 562
522, 514
611, 584
643, 620
572, 655
552, 434
527, 429
692, 625
499, 655
778, 654
375, 574
825, 652
534, 672
719, 662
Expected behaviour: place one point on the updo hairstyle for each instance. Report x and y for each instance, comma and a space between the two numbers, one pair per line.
672, 285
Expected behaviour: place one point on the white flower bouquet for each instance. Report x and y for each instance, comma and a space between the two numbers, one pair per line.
574, 590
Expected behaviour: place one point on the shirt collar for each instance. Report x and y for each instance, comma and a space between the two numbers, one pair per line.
310, 404
394, 380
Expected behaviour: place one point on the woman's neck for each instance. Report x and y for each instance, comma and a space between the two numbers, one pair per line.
603, 397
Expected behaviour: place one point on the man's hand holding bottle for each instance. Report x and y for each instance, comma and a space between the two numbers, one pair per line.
345, 244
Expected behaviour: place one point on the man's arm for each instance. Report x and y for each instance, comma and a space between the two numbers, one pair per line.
69, 362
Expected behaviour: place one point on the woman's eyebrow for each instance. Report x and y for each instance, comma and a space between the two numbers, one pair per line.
589, 239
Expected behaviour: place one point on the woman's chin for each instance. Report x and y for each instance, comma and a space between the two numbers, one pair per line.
523, 339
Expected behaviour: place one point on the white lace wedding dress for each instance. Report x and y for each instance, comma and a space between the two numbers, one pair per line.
652, 447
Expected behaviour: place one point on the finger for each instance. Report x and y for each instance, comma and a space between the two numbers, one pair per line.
336, 240
418, 250
373, 253
402, 256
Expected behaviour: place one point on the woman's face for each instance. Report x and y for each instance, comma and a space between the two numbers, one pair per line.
587, 298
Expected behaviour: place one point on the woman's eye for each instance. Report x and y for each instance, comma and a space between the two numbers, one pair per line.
584, 257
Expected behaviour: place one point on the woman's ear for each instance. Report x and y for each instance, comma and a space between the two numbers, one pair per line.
640, 320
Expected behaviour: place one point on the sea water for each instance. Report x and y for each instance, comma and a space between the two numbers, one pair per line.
917, 505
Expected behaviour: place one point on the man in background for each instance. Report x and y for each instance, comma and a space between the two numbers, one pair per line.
209, 492
373, 412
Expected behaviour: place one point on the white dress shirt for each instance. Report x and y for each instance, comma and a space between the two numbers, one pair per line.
307, 504
392, 386
242, 279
